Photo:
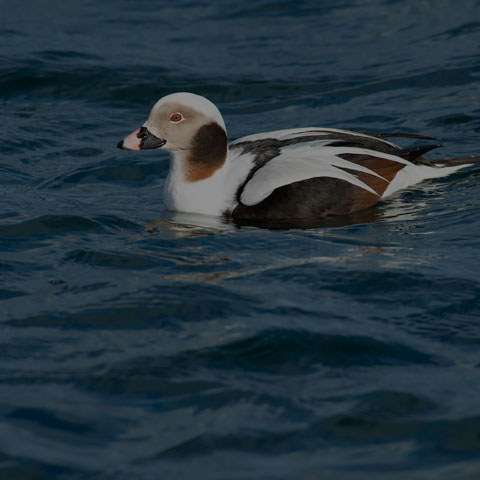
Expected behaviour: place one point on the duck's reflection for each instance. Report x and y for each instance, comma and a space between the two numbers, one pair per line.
182, 224
198, 225
366, 216
225, 265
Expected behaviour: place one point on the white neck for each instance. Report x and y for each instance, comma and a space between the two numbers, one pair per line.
211, 196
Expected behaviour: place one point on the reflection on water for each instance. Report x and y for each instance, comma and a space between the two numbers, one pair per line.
188, 224
366, 216
138, 343
197, 224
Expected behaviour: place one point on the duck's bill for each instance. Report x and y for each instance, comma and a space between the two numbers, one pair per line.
141, 139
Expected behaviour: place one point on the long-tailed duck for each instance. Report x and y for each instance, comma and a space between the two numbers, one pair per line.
299, 173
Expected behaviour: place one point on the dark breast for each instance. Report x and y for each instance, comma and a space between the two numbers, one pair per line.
312, 198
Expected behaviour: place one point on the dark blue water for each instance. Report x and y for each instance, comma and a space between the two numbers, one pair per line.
141, 344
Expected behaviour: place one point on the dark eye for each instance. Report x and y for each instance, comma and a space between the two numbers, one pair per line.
176, 117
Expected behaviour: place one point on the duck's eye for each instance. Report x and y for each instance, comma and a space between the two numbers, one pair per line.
176, 117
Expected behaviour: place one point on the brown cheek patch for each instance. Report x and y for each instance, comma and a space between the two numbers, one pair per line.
388, 169
208, 152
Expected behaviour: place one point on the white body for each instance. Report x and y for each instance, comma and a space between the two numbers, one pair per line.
211, 196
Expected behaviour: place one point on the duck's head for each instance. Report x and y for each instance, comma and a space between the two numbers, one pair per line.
188, 126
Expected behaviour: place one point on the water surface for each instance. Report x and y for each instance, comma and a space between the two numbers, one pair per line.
142, 344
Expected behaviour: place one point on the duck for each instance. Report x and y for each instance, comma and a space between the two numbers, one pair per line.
299, 173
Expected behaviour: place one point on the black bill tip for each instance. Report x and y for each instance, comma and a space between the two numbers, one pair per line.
120, 144
149, 140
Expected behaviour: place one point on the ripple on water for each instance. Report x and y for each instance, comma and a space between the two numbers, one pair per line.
126, 171
47, 225
273, 352
142, 344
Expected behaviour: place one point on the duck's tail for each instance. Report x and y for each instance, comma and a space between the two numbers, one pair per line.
415, 154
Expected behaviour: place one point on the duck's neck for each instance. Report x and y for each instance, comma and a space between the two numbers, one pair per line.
192, 187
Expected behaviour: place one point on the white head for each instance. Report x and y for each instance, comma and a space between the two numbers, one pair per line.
190, 127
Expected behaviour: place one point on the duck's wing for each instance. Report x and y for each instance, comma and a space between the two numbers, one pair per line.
288, 156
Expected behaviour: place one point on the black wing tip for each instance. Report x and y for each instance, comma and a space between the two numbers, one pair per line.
399, 135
